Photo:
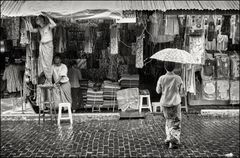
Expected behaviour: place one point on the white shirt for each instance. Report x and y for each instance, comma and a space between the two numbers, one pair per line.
59, 71
46, 34
169, 85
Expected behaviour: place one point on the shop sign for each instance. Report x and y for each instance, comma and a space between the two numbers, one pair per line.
127, 17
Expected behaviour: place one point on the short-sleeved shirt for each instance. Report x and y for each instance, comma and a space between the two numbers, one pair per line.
169, 85
59, 71
74, 75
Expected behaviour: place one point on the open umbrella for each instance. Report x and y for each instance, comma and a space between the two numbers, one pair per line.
174, 55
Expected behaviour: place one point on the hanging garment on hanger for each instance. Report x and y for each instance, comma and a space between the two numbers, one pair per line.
208, 89
25, 34
114, 35
222, 89
88, 44
211, 28
225, 29
222, 42
209, 67
218, 27
59, 37
172, 26
234, 92
13, 77
235, 63
222, 66
190, 83
139, 51
197, 48
236, 39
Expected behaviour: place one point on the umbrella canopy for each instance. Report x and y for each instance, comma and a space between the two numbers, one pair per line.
174, 55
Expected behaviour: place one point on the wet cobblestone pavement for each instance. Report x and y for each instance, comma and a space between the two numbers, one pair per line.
201, 137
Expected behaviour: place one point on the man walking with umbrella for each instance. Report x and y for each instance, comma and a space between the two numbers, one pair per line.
171, 86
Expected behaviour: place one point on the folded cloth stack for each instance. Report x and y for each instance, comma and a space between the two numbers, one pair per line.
94, 97
129, 81
84, 87
109, 93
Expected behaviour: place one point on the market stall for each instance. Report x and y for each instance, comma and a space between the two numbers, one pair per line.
112, 47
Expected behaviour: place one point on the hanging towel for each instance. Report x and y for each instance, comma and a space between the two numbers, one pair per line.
114, 40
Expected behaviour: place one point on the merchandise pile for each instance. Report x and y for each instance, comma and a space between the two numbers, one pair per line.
109, 94
129, 81
84, 88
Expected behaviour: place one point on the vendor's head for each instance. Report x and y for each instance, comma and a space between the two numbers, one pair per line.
73, 63
57, 59
169, 66
41, 20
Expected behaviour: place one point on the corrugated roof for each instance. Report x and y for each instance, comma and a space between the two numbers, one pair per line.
27, 8
165, 5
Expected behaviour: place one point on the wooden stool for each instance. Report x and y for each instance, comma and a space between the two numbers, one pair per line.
61, 105
144, 94
41, 101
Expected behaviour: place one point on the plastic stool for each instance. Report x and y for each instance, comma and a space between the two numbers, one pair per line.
141, 97
155, 105
68, 105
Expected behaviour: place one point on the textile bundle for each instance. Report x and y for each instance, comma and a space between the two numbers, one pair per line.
129, 81
128, 98
94, 97
84, 87
110, 93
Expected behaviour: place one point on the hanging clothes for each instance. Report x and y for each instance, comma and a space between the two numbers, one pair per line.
222, 42
209, 67
211, 28
222, 66
88, 44
157, 29
234, 92
196, 23
222, 89
13, 76
60, 36
235, 63
25, 34
208, 89
172, 26
219, 21
197, 48
236, 37
190, 79
114, 35
139, 51
225, 29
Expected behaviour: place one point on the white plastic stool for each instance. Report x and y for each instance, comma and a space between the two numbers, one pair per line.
149, 106
68, 105
155, 105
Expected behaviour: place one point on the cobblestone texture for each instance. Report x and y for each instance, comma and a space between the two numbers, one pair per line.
201, 137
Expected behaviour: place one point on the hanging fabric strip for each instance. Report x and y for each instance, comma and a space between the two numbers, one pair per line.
139, 51
114, 40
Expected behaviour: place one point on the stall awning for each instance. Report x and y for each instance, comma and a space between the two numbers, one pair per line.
33, 8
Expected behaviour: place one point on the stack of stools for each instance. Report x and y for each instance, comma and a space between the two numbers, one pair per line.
144, 94
43, 102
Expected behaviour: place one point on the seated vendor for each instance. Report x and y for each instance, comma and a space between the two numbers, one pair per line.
62, 92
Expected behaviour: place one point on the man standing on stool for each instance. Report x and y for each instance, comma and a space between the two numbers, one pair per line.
171, 86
